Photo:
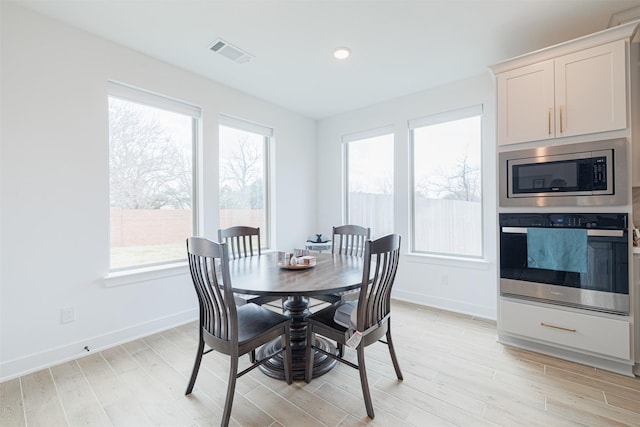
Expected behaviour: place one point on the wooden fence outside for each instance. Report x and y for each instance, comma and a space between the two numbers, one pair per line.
441, 225
143, 227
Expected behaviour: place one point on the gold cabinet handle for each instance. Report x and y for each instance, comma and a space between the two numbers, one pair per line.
561, 119
546, 325
549, 116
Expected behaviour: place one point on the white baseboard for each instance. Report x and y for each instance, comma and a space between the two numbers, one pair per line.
11, 369
447, 304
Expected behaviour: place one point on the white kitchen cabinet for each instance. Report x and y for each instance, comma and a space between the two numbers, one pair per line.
591, 90
525, 103
583, 332
577, 93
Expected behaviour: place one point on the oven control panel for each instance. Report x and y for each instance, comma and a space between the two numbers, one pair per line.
605, 221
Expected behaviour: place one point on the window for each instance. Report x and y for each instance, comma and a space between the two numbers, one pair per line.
151, 184
369, 194
446, 166
244, 175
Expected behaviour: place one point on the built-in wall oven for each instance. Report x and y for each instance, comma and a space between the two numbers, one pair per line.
573, 259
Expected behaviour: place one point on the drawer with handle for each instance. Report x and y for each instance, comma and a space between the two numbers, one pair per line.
592, 333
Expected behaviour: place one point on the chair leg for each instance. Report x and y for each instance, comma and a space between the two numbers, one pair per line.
392, 351
231, 388
196, 367
308, 372
364, 382
288, 363
252, 356
340, 348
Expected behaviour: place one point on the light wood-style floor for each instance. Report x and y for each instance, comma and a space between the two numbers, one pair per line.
455, 374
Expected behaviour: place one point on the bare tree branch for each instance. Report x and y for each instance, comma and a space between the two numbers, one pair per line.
147, 169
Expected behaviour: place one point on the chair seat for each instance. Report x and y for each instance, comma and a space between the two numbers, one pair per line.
254, 320
326, 317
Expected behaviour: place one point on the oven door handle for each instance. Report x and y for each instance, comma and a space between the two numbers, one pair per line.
591, 232
514, 230
606, 233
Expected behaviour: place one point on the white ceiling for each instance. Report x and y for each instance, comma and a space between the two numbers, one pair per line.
399, 47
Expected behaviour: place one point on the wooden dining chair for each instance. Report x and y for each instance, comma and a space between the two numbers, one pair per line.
243, 241
240, 240
370, 317
223, 326
349, 239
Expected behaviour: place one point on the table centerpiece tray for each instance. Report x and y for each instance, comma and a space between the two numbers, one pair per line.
295, 267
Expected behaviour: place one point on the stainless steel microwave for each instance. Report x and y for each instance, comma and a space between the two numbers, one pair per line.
583, 174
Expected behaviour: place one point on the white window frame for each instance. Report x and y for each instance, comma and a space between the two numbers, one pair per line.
448, 116
138, 273
268, 136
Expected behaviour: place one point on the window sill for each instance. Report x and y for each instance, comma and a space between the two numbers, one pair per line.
138, 275
471, 263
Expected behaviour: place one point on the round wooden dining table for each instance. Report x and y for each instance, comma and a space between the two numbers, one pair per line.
262, 276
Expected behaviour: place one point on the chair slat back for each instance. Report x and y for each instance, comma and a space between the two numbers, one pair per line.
209, 266
349, 239
380, 266
240, 240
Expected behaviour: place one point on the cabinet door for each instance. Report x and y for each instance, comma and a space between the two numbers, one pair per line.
525, 103
591, 87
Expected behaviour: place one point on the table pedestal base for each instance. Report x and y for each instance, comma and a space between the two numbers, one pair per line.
297, 308
274, 367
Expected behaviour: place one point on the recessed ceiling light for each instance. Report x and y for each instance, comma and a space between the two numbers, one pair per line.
341, 52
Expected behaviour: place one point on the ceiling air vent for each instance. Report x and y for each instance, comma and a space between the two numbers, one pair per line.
231, 52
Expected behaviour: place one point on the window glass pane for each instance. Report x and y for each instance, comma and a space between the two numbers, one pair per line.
370, 184
150, 177
243, 180
447, 215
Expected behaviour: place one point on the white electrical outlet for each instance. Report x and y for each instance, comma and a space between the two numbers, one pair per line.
68, 314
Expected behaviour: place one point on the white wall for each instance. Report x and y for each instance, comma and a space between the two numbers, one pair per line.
54, 189
471, 286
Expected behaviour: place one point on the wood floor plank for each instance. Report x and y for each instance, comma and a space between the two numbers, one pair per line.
78, 399
11, 407
621, 402
592, 415
541, 385
41, 401
118, 401
243, 411
301, 394
455, 374
174, 355
282, 410
417, 417
159, 406
598, 384
515, 414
